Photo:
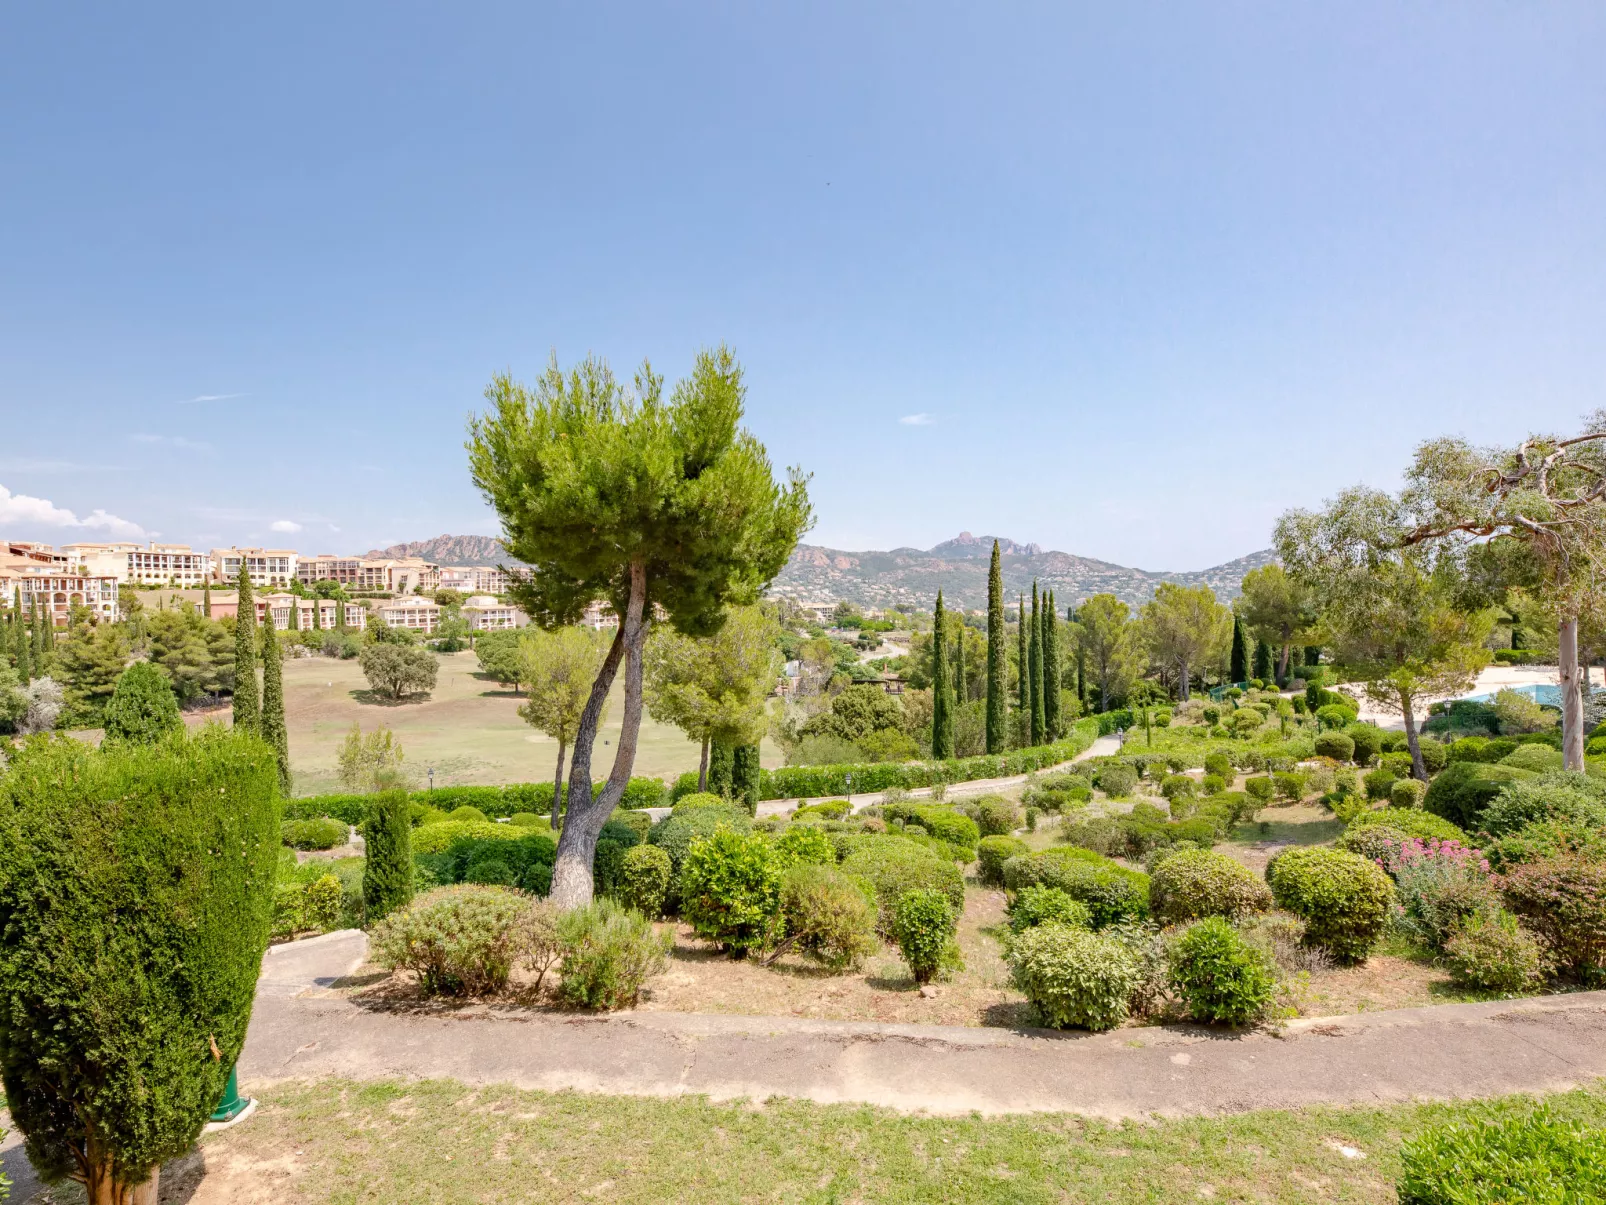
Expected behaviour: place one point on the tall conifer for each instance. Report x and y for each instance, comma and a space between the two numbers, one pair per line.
1035, 652
1238, 665
1051, 672
247, 703
942, 718
960, 697
1023, 685
206, 598
272, 723
997, 661
295, 613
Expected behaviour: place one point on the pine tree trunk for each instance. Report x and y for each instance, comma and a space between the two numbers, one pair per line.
557, 784
572, 878
1183, 680
702, 769
1419, 769
1572, 703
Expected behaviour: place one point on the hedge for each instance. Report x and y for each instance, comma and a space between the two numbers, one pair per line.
1464, 789
494, 802
812, 782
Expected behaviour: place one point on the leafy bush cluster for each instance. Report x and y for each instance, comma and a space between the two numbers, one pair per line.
492, 802
1194, 884
1221, 976
1343, 898
992, 853
1074, 977
322, 833
1111, 893
923, 926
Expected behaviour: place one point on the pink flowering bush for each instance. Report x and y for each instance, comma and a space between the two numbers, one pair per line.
1440, 884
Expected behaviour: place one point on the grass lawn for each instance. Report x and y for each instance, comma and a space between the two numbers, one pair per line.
467, 728
440, 1142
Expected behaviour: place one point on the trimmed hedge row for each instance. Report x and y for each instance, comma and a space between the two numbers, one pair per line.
494, 802
812, 782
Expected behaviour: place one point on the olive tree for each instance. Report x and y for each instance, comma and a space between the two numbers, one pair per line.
136, 893
1397, 620
662, 508
1547, 497
558, 668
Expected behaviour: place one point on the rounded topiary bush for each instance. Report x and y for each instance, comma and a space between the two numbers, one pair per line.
1465, 789
992, 853
1407, 793
1490, 950
1220, 765
609, 952
467, 815
458, 940
1075, 978
1112, 893
995, 816
1335, 745
805, 843
1197, 883
1260, 790
892, 866
1220, 975
491, 871
730, 889
1178, 786
1038, 905
1379, 782
1563, 900
828, 914
1411, 822
137, 892
644, 880
143, 709
1368, 740
1343, 898
1538, 758
923, 926
1558, 796
320, 833
699, 801
1116, 779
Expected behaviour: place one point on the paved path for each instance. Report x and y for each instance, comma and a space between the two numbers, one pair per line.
1457, 1050
1103, 746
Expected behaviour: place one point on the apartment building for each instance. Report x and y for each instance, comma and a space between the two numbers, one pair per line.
326, 568
399, 575
484, 613
473, 579
33, 575
266, 566
419, 614
311, 613
599, 615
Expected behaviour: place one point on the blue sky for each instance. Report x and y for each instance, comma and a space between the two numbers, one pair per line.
1147, 274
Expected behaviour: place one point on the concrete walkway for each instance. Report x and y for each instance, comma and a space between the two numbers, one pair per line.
1456, 1050
1103, 746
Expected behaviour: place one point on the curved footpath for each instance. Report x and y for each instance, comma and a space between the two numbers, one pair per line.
1103, 746
302, 1030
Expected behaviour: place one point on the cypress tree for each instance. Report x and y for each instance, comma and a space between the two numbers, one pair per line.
340, 615
1262, 660
317, 613
206, 598
997, 661
295, 613
1051, 671
1023, 685
1035, 651
142, 709
271, 725
247, 703
721, 767
387, 872
1238, 666
21, 643
960, 698
744, 777
942, 719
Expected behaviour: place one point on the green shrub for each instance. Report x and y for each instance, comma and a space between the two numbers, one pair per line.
1489, 950
1038, 905
1112, 893
701, 801
1335, 745
1434, 755
387, 879
1368, 740
893, 866
944, 823
142, 710
320, 904
1533, 1156
1409, 822
1343, 898
129, 946
995, 816
1464, 789
831, 809
1259, 790
458, 940
1116, 780
1074, 978
1545, 839
1407, 793
1563, 901
675, 833
322, 833
1220, 765
1222, 977
527, 820
805, 843
1379, 783
923, 926
1102, 834
1538, 758
1178, 786
467, 815
491, 871
730, 890
1290, 786
609, 953
1556, 796
828, 914
1213, 784
992, 853
1335, 715
1194, 884
644, 880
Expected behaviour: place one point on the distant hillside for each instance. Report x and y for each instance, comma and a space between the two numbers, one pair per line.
452, 550
959, 566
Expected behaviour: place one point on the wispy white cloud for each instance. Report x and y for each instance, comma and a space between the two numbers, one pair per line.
286, 526
173, 441
917, 420
199, 398
22, 510
40, 467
